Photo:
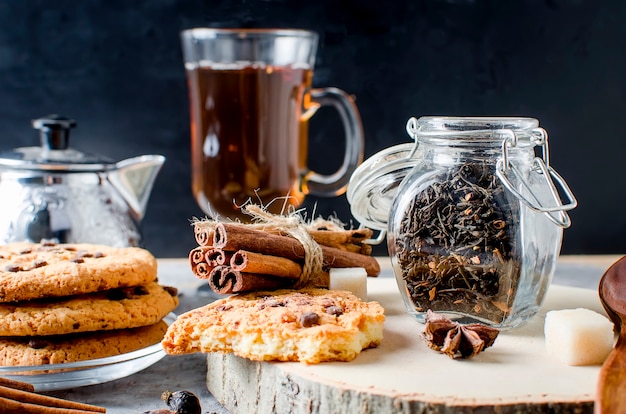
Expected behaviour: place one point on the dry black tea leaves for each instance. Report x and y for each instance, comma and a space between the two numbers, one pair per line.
457, 340
455, 245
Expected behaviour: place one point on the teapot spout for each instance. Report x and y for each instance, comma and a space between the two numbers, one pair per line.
133, 178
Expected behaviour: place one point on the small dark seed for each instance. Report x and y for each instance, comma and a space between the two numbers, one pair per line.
182, 402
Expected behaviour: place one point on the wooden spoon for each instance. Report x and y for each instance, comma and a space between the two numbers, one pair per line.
611, 392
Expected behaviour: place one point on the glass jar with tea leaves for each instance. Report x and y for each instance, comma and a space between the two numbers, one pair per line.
474, 216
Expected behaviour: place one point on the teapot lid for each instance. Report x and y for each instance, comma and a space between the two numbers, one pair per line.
54, 153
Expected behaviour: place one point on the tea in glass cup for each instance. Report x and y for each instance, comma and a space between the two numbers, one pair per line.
251, 98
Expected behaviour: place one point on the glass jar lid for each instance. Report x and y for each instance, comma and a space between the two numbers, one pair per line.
374, 184
54, 154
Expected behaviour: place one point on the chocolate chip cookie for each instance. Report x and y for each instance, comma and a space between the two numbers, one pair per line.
126, 307
308, 325
26, 351
37, 270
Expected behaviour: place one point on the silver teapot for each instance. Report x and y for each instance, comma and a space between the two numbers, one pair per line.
53, 192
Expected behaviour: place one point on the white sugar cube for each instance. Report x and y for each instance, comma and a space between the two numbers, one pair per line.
353, 279
578, 336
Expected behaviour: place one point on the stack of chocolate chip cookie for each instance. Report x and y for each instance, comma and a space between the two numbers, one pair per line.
71, 302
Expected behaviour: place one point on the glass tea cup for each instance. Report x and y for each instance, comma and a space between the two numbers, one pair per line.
251, 98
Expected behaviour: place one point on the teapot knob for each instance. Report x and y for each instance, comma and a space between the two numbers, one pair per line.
54, 131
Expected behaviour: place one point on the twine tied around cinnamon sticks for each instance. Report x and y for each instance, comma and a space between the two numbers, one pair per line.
294, 226
275, 252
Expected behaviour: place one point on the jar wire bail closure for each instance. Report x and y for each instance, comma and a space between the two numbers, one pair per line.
555, 208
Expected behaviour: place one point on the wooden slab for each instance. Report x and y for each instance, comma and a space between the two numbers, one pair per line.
404, 376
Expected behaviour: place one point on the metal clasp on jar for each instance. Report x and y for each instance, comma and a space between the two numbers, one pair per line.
542, 195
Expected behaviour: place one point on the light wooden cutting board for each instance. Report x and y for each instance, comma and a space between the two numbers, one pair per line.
404, 376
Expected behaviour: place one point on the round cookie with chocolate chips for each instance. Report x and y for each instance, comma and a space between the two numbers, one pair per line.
308, 325
126, 307
38, 270
25, 351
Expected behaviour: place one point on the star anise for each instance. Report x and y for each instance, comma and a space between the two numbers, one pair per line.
455, 339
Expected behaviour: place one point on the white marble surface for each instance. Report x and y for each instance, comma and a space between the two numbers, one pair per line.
141, 392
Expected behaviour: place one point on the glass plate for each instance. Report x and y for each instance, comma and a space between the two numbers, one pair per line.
81, 373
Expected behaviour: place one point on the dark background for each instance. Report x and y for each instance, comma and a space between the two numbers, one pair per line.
116, 67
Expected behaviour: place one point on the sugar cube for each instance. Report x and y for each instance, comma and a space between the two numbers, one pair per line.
578, 336
353, 279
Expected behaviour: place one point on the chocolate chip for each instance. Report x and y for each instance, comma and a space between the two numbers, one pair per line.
98, 255
83, 253
76, 325
140, 291
37, 343
334, 310
269, 302
171, 290
77, 260
309, 319
48, 242
13, 267
116, 294
39, 263
26, 250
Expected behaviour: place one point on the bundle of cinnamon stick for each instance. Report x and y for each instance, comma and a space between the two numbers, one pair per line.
20, 397
238, 257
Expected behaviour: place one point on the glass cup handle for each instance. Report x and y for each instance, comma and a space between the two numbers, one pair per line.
336, 183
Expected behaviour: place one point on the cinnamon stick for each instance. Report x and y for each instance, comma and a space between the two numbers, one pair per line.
334, 238
18, 385
224, 280
366, 249
201, 270
234, 237
338, 258
215, 257
350, 240
8, 406
197, 255
203, 234
250, 262
24, 400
